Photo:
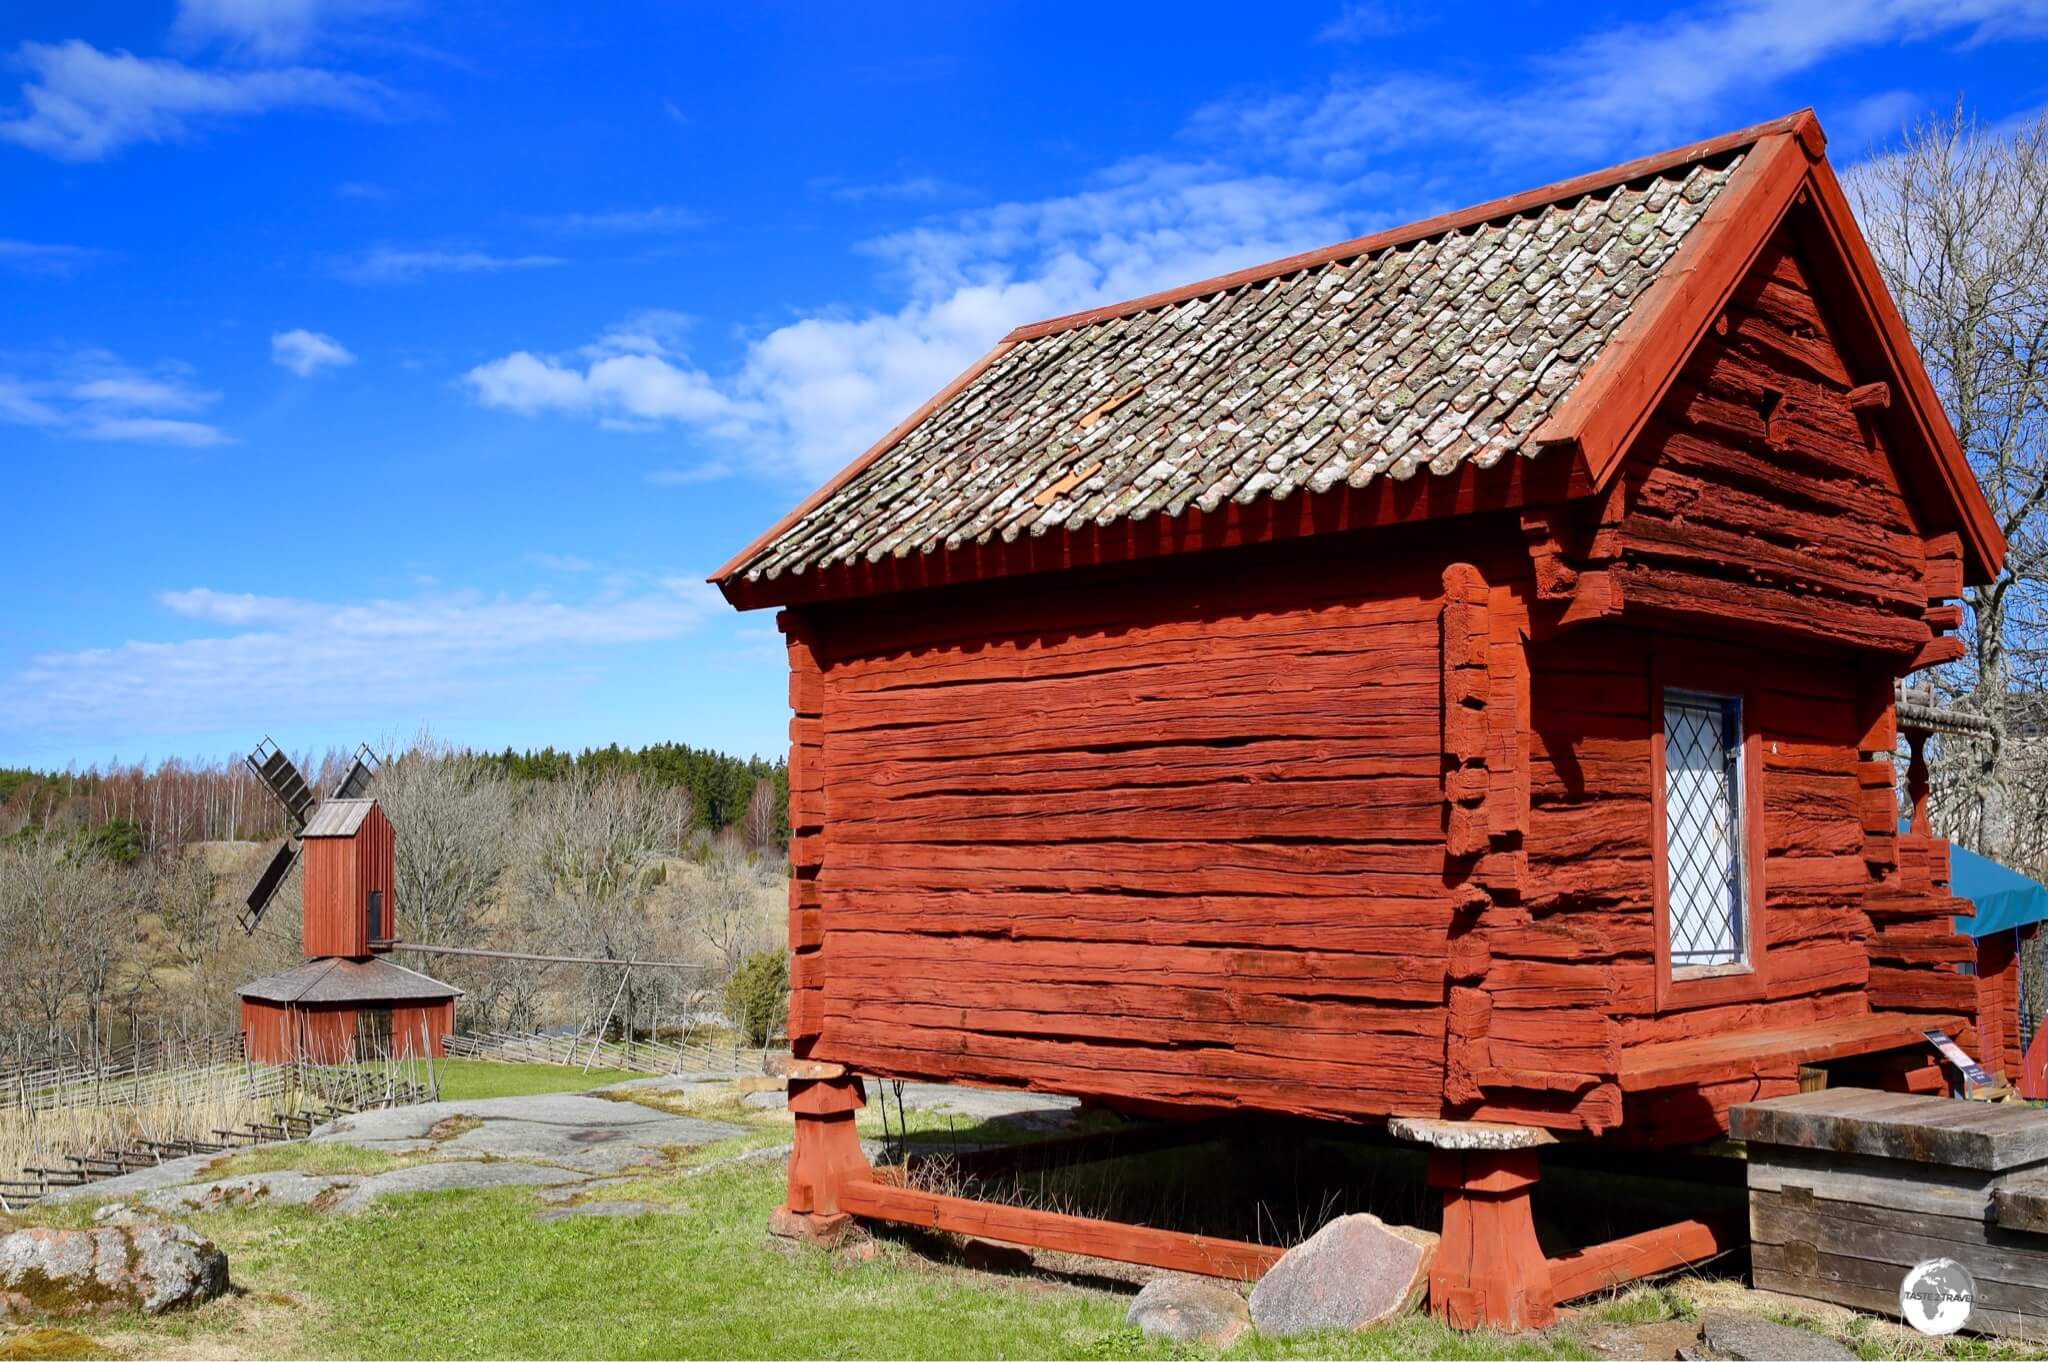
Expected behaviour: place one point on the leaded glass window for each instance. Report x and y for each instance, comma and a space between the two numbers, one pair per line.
1703, 843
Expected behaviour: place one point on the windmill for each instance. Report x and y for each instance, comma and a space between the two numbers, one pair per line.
290, 789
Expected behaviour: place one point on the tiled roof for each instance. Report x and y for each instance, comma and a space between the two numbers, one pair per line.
1428, 354
338, 818
333, 980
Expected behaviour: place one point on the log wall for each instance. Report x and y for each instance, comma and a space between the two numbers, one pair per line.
1175, 835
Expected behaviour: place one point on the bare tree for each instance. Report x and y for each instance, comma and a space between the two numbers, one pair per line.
725, 906
451, 816
588, 853
760, 820
67, 923
1957, 217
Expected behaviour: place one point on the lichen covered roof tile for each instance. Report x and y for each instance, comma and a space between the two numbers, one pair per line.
1428, 354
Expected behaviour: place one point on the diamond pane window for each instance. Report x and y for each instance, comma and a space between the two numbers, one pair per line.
1703, 828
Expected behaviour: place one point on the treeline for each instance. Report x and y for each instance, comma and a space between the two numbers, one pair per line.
722, 787
159, 809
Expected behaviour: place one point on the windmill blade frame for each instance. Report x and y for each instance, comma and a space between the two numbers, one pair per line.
277, 774
267, 884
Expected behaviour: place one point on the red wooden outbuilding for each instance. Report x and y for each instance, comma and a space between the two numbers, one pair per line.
1445, 678
347, 1001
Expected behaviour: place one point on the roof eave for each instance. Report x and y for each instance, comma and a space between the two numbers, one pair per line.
1601, 418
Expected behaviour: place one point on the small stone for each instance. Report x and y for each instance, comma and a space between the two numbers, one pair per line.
1189, 1310
148, 1267
1745, 1338
1353, 1272
765, 1101
823, 1230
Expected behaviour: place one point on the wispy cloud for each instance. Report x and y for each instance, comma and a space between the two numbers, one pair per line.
82, 104
401, 265
269, 30
664, 217
303, 351
300, 659
360, 189
46, 257
1634, 85
92, 395
711, 470
1359, 20
912, 187
560, 562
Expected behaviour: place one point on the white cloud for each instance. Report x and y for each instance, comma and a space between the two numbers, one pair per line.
560, 562
395, 265
273, 659
809, 395
82, 104
1359, 20
1634, 87
662, 217
92, 395
303, 351
268, 30
45, 257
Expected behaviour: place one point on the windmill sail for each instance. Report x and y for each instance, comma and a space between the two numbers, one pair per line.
283, 780
361, 772
266, 884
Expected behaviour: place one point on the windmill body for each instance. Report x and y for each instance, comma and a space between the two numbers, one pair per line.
347, 1001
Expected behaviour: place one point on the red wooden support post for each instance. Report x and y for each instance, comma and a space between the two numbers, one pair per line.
827, 1154
1489, 1270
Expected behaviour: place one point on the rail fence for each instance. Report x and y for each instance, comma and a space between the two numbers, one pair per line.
589, 1052
60, 1128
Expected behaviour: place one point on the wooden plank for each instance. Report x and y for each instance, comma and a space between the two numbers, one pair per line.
1726, 1056
1983, 1136
1881, 1235
1642, 1255
2021, 1203
1179, 1252
1799, 1270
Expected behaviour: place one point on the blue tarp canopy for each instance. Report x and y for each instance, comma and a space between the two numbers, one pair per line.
2005, 898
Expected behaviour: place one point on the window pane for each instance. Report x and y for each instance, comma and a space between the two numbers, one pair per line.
1703, 828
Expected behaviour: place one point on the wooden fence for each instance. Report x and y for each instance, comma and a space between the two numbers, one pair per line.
589, 1052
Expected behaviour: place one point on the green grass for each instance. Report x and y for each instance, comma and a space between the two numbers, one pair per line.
464, 1080
474, 1274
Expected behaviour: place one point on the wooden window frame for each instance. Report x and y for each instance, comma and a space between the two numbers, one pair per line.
1686, 667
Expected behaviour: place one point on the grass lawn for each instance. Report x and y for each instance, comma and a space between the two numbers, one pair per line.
474, 1274
469, 1274
466, 1079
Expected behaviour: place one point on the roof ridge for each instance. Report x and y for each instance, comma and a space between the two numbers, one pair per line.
1803, 124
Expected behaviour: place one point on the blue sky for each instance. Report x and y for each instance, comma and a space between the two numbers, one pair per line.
366, 364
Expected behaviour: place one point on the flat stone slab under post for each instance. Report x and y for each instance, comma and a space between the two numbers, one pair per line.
1489, 1271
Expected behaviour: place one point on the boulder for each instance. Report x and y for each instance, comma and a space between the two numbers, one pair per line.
150, 1267
1189, 1310
1736, 1337
1355, 1271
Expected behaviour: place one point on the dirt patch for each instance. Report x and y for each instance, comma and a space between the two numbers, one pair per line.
448, 1127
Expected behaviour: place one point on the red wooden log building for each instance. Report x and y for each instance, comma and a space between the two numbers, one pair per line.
1448, 674
347, 1001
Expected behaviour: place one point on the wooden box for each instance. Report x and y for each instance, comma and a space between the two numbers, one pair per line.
1849, 1189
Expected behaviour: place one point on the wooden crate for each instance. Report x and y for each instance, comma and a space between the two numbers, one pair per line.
1850, 1188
